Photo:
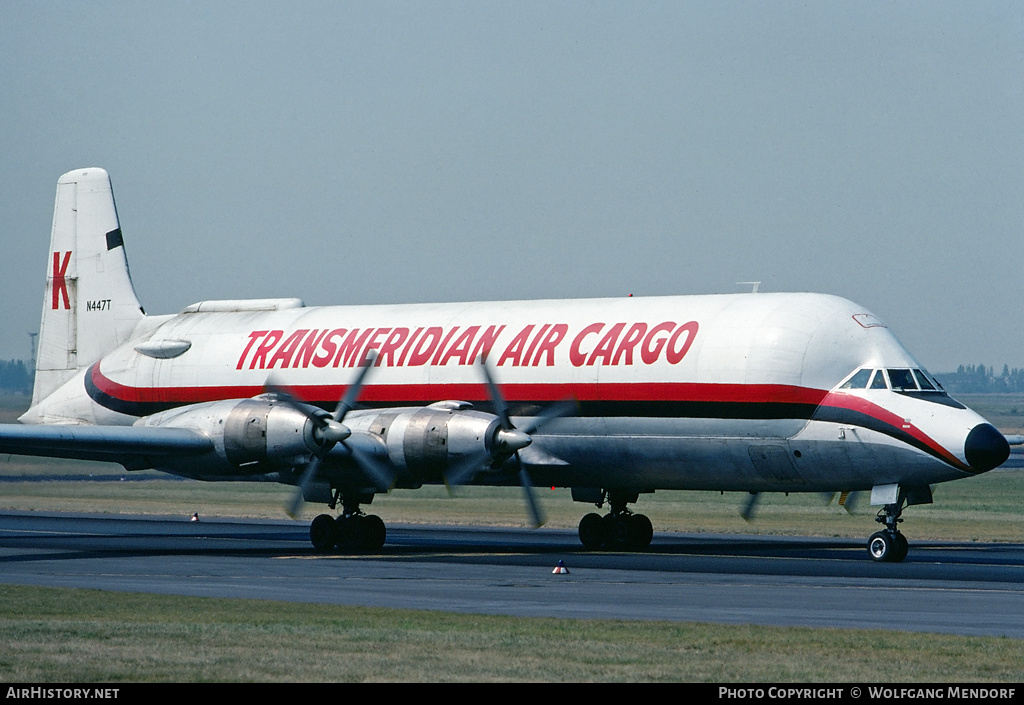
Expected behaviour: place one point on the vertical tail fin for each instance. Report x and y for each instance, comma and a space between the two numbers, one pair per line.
90, 306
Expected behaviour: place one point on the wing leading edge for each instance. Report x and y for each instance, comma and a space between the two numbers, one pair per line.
131, 446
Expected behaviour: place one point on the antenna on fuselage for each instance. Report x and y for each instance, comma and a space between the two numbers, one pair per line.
755, 286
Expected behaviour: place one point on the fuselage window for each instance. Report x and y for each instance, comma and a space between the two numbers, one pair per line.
878, 381
858, 381
902, 381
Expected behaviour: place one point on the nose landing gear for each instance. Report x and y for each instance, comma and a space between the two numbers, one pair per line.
889, 545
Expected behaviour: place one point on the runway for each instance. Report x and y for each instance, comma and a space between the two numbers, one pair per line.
948, 587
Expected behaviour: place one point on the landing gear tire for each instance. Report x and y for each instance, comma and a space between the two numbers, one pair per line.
323, 533
902, 548
360, 533
643, 531
592, 532
619, 537
375, 533
350, 533
887, 547
615, 532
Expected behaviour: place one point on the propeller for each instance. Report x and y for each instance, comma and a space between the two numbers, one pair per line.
329, 431
750, 506
506, 443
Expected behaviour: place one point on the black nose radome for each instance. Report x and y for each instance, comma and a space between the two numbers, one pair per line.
986, 448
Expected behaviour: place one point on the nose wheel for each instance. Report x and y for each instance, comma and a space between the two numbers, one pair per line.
889, 545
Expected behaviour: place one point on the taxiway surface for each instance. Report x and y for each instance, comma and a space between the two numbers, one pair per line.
949, 587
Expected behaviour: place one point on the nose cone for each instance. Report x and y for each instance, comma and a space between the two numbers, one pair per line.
986, 448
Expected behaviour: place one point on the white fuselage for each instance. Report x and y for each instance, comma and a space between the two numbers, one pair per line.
737, 392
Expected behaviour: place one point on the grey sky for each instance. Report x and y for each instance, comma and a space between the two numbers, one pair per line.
426, 151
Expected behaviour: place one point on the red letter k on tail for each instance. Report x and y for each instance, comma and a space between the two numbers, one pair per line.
60, 284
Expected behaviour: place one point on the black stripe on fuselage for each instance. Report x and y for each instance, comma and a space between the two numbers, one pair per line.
858, 419
754, 411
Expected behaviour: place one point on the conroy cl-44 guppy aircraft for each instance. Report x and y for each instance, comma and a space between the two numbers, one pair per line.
612, 397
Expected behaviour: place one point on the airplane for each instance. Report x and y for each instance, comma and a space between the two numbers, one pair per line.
610, 397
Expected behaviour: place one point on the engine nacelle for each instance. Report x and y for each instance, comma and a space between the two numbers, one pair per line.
424, 442
265, 435
250, 436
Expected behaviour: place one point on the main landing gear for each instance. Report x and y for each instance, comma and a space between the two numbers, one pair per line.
352, 531
889, 545
619, 530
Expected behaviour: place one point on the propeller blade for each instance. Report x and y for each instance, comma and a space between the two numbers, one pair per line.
500, 408
536, 514
550, 413
747, 512
300, 492
287, 397
273, 385
507, 442
332, 431
381, 475
465, 470
348, 401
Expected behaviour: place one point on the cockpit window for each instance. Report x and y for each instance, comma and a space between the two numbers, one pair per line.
923, 381
899, 380
902, 380
858, 381
907, 382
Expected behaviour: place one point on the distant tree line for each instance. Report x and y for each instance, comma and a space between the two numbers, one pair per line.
15, 376
969, 379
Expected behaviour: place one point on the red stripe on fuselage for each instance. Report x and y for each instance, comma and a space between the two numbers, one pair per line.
852, 402
429, 393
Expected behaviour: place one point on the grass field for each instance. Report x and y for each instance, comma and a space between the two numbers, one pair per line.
51, 635
54, 635
1004, 411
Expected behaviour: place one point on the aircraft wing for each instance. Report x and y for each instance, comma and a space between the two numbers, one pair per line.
127, 445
